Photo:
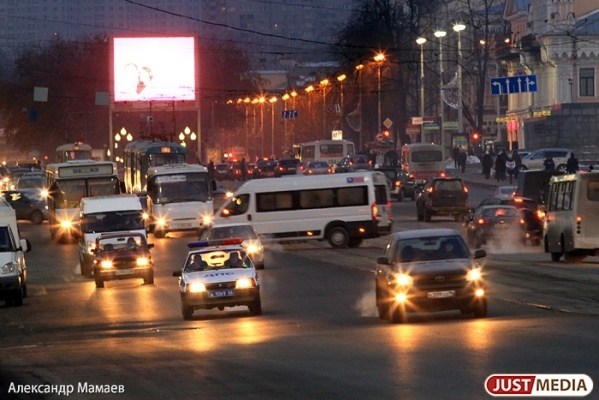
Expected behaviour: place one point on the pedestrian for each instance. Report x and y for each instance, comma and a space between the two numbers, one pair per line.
591, 168
500, 166
549, 164
244, 169
462, 158
510, 167
487, 164
518, 161
455, 153
211, 169
572, 164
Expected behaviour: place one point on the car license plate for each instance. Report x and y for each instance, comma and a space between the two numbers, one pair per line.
182, 225
124, 272
222, 293
441, 295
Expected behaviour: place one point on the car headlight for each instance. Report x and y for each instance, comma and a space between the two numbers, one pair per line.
106, 264
9, 268
195, 287
91, 246
252, 248
404, 280
474, 274
244, 283
206, 220
161, 222
66, 224
145, 216
142, 261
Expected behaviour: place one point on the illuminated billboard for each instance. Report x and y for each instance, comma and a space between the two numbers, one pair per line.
154, 68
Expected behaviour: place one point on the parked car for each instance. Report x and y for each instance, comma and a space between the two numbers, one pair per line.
265, 169
287, 166
351, 163
317, 168
535, 159
428, 270
251, 243
401, 185
443, 196
534, 218
29, 204
500, 222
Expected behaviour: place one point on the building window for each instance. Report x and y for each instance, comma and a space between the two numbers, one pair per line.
587, 81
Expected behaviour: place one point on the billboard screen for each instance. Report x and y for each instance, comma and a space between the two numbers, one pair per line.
154, 68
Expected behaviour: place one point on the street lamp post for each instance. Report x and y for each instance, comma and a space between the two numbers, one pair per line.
272, 102
420, 42
324, 83
459, 28
285, 97
261, 100
379, 58
359, 68
341, 78
440, 35
309, 90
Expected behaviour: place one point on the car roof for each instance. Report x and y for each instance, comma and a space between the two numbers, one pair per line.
489, 206
423, 233
230, 225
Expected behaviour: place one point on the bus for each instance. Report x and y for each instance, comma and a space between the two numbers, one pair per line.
67, 184
73, 151
331, 151
423, 161
179, 198
142, 155
572, 217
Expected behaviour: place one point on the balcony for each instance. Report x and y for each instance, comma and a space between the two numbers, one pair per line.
507, 53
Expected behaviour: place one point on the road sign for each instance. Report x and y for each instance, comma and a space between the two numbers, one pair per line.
387, 123
286, 114
514, 84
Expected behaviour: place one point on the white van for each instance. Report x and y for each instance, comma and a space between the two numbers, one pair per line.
341, 208
13, 277
103, 214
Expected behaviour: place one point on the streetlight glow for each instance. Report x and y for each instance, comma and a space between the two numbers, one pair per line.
379, 58
420, 42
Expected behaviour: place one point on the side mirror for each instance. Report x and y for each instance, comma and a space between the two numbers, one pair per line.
177, 273
25, 245
150, 245
382, 260
480, 253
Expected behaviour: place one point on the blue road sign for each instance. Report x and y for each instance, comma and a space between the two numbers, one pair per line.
286, 114
514, 84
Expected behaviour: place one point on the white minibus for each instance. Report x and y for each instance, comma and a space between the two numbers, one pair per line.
341, 208
572, 217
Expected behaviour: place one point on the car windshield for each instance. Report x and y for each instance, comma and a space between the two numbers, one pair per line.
500, 212
217, 259
318, 164
431, 249
122, 243
449, 184
242, 231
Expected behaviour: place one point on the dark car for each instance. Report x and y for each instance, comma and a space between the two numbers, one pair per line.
402, 185
123, 255
428, 270
28, 204
265, 169
442, 196
222, 171
501, 223
236, 172
356, 162
287, 166
534, 218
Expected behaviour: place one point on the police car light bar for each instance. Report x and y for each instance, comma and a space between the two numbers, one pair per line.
210, 243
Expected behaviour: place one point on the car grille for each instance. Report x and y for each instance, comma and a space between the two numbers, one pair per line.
440, 281
220, 285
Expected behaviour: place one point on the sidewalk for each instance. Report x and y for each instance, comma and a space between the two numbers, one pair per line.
473, 175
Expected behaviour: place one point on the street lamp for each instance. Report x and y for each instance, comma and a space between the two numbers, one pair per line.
359, 68
261, 100
420, 42
324, 83
341, 78
272, 101
440, 35
379, 58
285, 97
459, 28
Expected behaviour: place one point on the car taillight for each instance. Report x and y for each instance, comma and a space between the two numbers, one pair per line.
389, 211
540, 214
465, 189
430, 189
375, 211
481, 221
397, 183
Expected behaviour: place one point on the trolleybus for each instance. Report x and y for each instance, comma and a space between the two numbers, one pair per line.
73, 151
422, 161
331, 151
142, 155
67, 184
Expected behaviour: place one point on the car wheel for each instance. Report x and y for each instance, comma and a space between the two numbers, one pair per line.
338, 237
149, 280
187, 311
355, 242
99, 280
419, 215
37, 217
398, 314
159, 233
414, 195
17, 297
561, 167
381, 305
480, 308
255, 306
572, 257
427, 215
556, 256
401, 195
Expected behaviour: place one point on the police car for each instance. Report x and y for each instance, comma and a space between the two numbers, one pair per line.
218, 273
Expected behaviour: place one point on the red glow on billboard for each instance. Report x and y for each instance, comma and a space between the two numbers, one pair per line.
154, 68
